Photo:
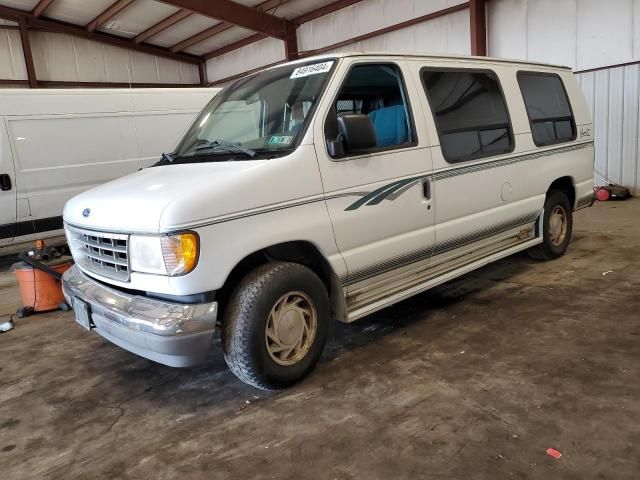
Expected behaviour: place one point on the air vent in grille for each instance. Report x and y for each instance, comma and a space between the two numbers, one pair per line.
103, 253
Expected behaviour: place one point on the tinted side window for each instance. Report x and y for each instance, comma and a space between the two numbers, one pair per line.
375, 90
470, 113
548, 108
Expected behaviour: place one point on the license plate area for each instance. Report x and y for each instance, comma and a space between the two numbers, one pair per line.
82, 312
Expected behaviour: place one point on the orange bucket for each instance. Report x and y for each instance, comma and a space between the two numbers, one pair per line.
38, 289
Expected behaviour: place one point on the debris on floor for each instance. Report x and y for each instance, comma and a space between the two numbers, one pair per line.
6, 325
552, 452
612, 192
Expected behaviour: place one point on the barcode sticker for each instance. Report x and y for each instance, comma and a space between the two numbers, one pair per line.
312, 69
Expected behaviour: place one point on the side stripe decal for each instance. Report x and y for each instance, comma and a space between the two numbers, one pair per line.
437, 249
393, 190
387, 195
454, 172
379, 194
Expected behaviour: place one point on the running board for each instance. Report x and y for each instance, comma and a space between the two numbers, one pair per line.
373, 306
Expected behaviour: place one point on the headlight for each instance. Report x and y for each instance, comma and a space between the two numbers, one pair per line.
164, 255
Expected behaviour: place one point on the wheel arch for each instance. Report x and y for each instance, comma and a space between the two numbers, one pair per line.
566, 185
303, 252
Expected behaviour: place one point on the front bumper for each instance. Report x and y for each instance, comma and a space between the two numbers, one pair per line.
178, 335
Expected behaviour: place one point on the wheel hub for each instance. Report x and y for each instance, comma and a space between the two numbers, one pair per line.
558, 225
291, 328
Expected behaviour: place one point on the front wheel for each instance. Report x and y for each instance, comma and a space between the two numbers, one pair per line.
275, 325
557, 226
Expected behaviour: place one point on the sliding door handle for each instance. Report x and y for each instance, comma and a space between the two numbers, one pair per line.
5, 182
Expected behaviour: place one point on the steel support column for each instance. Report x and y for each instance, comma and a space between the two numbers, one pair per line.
291, 41
478, 19
28, 56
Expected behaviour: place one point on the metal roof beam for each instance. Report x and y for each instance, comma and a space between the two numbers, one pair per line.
307, 17
256, 37
77, 31
108, 14
162, 25
326, 10
41, 7
236, 14
221, 27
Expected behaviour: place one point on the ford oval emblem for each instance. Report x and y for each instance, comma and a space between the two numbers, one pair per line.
86, 212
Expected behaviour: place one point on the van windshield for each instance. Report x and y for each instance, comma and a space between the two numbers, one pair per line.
260, 116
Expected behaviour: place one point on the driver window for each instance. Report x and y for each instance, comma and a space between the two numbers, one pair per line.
378, 92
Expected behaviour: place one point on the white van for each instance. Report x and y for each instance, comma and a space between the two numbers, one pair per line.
57, 143
328, 188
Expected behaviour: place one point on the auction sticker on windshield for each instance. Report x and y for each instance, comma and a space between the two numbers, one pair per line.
312, 69
280, 140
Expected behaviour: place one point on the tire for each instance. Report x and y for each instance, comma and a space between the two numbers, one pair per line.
270, 294
554, 244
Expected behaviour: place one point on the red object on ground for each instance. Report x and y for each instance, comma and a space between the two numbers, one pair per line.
602, 194
38, 289
552, 452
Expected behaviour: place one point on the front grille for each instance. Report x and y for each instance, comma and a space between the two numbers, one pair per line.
102, 253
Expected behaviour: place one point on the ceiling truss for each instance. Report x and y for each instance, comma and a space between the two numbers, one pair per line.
260, 19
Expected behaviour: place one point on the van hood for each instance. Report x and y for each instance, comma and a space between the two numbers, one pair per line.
170, 197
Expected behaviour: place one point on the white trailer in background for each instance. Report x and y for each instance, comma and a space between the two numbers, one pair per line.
56, 143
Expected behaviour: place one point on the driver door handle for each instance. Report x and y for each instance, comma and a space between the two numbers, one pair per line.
5, 182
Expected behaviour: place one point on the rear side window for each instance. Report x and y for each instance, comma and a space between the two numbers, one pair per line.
548, 108
470, 113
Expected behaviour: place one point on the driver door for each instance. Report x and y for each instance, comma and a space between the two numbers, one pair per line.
380, 202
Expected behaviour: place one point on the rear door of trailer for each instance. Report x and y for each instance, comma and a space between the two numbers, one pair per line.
7, 188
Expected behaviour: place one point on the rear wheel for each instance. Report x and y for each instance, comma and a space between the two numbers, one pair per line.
557, 226
275, 325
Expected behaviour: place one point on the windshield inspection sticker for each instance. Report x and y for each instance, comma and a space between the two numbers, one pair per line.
312, 69
280, 140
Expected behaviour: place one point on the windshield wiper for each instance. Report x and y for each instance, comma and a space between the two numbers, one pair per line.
165, 159
226, 145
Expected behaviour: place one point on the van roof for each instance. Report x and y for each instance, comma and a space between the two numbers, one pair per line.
470, 58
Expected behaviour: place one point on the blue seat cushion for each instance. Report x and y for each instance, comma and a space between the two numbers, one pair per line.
390, 124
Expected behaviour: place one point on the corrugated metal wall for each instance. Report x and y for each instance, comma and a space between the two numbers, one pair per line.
584, 34
613, 96
445, 34
448, 34
59, 57
63, 57
12, 65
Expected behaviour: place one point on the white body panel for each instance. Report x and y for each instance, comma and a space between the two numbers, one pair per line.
473, 212
408, 219
57, 143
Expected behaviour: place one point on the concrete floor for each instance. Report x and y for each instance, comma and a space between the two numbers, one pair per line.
475, 379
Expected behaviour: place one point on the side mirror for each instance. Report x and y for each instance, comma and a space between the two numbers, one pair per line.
357, 132
335, 147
